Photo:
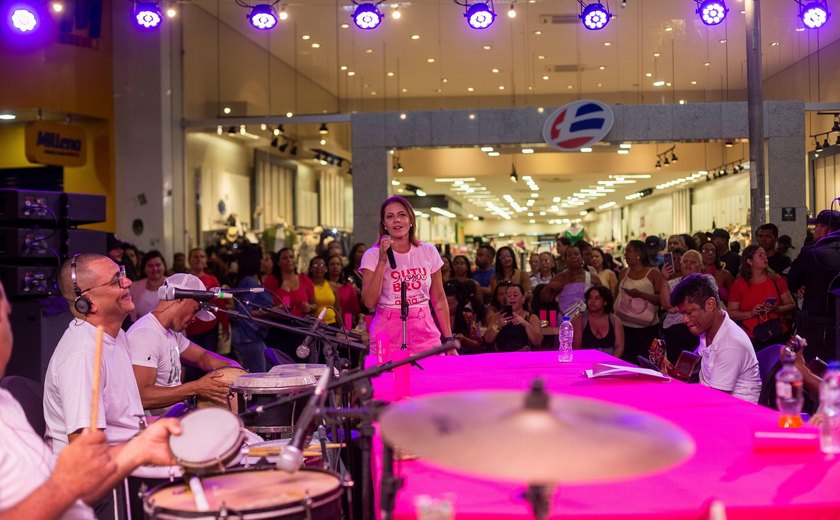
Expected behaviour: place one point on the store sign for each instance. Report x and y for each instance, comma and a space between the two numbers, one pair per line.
51, 143
788, 214
577, 125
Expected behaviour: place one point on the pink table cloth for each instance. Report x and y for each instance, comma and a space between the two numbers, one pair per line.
725, 467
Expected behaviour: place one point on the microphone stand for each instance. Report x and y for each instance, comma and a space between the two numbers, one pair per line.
404, 318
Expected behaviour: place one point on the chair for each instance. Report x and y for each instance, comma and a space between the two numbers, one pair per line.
768, 357
276, 357
30, 395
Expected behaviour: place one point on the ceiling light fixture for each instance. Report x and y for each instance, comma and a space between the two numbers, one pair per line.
263, 17
594, 16
25, 18
814, 14
712, 12
367, 15
513, 176
323, 130
479, 15
147, 14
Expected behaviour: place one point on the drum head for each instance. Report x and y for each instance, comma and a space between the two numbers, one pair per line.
249, 492
210, 437
273, 383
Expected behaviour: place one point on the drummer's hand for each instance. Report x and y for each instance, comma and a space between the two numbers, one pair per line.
83, 465
153, 442
384, 246
212, 387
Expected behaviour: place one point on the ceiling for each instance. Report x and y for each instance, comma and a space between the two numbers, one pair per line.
430, 59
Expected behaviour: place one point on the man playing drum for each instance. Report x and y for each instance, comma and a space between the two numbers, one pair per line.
157, 345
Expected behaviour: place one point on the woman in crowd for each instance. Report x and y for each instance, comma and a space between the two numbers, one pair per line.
446, 268
712, 265
569, 286
545, 270
675, 241
144, 292
507, 271
759, 296
266, 265
247, 336
607, 275
641, 290
418, 266
132, 260
462, 273
291, 291
700, 238
516, 331
326, 292
597, 327
676, 334
351, 270
462, 318
498, 300
348, 295
533, 264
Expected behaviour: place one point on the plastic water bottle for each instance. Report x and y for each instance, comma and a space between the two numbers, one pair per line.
789, 397
565, 337
830, 407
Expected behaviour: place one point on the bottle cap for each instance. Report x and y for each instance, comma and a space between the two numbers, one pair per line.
566, 318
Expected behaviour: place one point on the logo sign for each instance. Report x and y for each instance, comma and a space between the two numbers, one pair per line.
579, 124
52, 143
788, 214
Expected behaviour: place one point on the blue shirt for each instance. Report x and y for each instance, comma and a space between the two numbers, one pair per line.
243, 330
483, 277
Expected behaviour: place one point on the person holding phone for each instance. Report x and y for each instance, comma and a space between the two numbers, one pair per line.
758, 296
514, 329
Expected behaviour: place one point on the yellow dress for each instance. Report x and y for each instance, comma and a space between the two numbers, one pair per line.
325, 297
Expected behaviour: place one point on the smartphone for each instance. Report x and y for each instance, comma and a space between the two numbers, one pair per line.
818, 367
507, 310
771, 301
669, 259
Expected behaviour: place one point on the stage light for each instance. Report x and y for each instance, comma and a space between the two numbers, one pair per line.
711, 12
814, 15
512, 11
283, 146
147, 14
323, 130
367, 16
595, 16
480, 15
24, 18
57, 7
262, 17
283, 15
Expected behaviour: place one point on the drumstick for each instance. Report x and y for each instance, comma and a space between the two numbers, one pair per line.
97, 369
198, 494
275, 450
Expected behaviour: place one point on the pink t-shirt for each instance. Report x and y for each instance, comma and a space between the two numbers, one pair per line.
415, 267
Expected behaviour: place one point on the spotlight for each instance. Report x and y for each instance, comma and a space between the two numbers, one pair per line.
279, 130
231, 130
147, 14
367, 16
283, 15
24, 18
283, 146
480, 15
400, 168
274, 142
711, 12
826, 144
814, 15
837, 142
323, 130
674, 157
512, 11
836, 127
667, 162
595, 16
658, 164
293, 151
263, 17
513, 176
818, 147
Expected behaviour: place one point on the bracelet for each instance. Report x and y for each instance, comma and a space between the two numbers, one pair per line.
496, 328
447, 339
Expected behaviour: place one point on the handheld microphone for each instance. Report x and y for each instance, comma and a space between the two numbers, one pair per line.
168, 293
391, 259
291, 456
304, 348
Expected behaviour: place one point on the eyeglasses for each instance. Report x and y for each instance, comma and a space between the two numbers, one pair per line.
505, 256
116, 281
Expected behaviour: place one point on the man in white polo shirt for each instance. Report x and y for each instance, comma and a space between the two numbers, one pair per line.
728, 361
157, 346
35, 485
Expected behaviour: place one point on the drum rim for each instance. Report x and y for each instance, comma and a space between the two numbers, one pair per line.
293, 507
262, 390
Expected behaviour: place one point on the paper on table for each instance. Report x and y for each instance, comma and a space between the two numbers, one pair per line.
607, 370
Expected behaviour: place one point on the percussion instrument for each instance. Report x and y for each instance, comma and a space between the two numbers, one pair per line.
250, 495
229, 375
210, 440
567, 440
265, 388
313, 369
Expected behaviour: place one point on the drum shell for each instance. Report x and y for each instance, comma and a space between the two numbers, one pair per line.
323, 506
276, 420
229, 375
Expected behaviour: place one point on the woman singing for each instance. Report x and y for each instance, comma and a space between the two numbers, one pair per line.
418, 265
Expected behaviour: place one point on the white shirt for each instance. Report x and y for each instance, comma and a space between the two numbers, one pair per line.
144, 300
729, 362
151, 345
415, 267
67, 387
25, 461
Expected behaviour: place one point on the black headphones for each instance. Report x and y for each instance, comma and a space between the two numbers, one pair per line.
81, 303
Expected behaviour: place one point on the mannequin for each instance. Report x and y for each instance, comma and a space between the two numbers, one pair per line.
576, 233
308, 247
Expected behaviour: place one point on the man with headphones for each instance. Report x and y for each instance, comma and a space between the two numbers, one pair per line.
97, 290
157, 346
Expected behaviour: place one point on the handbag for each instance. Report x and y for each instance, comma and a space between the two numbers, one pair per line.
769, 329
635, 310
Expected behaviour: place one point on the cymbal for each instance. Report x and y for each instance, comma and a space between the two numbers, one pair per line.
566, 440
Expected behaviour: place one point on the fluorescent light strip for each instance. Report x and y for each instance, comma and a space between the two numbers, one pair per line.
457, 180
443, 212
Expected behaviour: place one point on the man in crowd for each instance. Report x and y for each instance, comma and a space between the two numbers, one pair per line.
654, 251
731, 260
728, 361
35, 485
157, 345
767, 236
586, 253
813, 273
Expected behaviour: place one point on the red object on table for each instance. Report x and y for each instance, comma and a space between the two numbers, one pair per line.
725, 466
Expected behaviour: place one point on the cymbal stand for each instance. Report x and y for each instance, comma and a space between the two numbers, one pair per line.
538, 496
